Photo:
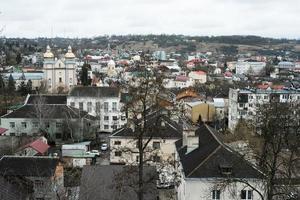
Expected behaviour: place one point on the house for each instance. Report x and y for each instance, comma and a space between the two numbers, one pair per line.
250, 67
205, 165
45, 173
162, 132
198, 76
200, 111
38, 147
115, 182
180, 81
48, 114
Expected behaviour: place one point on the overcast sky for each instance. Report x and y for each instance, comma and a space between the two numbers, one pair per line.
81, 18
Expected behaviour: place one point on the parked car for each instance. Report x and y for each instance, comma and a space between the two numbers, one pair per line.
104, 146
94, 152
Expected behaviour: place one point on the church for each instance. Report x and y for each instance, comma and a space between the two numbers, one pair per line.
59, 74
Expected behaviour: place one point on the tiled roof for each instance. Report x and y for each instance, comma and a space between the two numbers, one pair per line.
48, 111
39, 146
93, 91
28, 166
205, 161
47, 99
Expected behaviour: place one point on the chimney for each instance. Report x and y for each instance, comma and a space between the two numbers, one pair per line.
190, 139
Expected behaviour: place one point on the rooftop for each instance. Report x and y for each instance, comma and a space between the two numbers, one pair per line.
93, 91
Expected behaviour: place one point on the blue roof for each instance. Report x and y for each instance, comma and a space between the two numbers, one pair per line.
28, 75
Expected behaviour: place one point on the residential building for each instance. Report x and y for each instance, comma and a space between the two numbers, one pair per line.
44, 173
250, 67
101, 102
179, 82
49, 114
244, 103
60, 74
205, 165
198, 76
200, 111
38, 147
163, 133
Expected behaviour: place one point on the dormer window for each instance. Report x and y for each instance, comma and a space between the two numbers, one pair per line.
225, 169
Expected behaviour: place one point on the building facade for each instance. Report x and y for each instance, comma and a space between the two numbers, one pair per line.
60, 74
243, 104
101, 102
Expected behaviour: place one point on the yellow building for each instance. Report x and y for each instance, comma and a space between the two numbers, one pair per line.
196, 109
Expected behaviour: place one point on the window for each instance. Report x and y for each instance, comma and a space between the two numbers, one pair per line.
156, 145
12, 134
98, 106
60, 79
123, 118
47, 124
105, 106
38, 183
241, 105
72, 104
106, 127
258, 97
225, 169
114, 127
24, 124
58, 125
137, 159
23, 134
250, 105
118, 153
114, 106
106, 118
216, 194
117, 143
58, 135
12, 124
156, 158
115, 118
246, 194
266, 97
81, 106
35, 124
285, 96
89, 106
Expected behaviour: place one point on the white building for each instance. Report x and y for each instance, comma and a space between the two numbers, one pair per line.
102, 102
198, 76
250, 67
244, 103
161, 148
205, 165
60, 74
179, 82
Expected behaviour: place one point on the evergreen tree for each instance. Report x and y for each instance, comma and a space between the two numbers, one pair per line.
29, 86
84, 75
19, 58
11, 84
2, 84
22, 89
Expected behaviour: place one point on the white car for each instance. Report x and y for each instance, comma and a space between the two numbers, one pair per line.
104, 146
94, 152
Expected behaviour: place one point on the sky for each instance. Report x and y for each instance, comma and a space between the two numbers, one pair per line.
90, 18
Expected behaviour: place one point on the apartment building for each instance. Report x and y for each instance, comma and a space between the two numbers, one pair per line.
244, 103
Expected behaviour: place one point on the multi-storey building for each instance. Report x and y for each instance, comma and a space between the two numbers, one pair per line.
60, 74
244, 103
250, 67
102, 102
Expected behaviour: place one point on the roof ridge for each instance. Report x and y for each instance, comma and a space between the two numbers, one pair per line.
211, 154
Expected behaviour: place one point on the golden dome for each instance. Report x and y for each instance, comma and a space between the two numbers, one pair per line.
69, 54
48, 53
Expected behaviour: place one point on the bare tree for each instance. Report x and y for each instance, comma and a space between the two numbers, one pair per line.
274, 138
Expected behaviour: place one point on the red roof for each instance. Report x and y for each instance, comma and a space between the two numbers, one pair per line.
277, 87
2, 131
181, 78
263, 87
228, 74
39, 146
200, 72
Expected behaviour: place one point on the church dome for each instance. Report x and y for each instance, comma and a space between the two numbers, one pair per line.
69, 54
48, 53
